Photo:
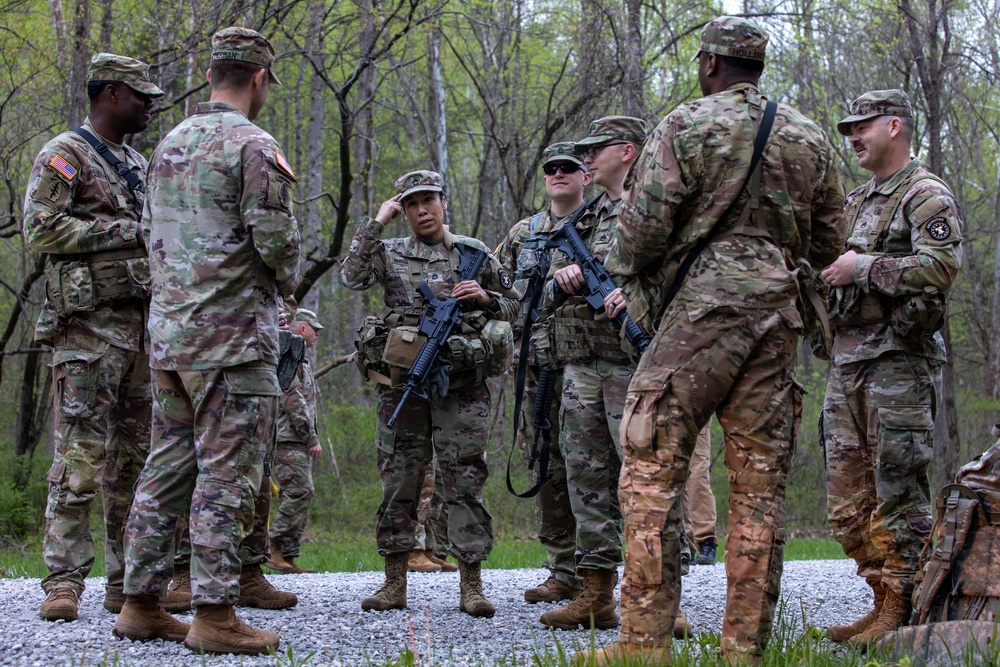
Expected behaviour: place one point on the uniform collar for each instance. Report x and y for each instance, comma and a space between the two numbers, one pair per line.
112, 145
216, 107
894, 181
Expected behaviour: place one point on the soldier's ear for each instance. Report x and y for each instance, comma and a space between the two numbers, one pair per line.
444, 202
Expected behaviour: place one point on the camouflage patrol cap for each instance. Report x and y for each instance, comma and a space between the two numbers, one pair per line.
309, 317
418, 181
733, 36
244, 44
134, 73
611, 129
562, 151
890, 102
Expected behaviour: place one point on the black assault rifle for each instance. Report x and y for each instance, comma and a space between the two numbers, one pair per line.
437, 323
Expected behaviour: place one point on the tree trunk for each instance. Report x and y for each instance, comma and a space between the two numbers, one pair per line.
76, 88
635, 75
439, 125
107, 24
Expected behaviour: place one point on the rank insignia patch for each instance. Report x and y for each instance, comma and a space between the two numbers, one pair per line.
63, 168
939, 229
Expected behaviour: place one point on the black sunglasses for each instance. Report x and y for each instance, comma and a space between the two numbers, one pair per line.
566, 167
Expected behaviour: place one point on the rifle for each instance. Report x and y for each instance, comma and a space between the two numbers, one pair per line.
437, 323
598, 282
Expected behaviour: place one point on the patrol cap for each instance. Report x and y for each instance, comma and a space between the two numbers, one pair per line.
733, 36
418, 181
307, 316
611, 129
892, 102
562, 151
134, 73
244, 44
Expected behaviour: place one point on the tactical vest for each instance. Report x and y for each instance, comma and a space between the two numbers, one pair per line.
79, 283
914, 318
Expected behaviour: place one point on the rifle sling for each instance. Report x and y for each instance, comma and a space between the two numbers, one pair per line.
122, 169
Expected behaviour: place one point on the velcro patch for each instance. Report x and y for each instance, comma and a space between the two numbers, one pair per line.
280, 160
939, 229
63, 168
505, 278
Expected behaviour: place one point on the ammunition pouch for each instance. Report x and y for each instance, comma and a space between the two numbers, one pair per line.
79, 283
917, 318
579, 335
852, 306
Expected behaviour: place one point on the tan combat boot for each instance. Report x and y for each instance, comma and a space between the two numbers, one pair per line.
895, 614
682, 626
114, 598
60, 605
621, 653
217, 629
446, 565
420, 561
256, 591
597, 600
141, 618
178, 597
296, 569
278, 562
392, 594
841, 633
472, 600
551, 590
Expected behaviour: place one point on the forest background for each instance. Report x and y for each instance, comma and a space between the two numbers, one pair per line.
476, 89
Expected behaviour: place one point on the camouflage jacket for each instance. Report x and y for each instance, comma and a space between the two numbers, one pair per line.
297, 409
525, 264
223, 242
77, 205
922, 247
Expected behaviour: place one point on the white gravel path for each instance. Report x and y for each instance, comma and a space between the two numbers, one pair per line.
328, 620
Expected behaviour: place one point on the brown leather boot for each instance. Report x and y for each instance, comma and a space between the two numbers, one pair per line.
392, 594
217, 629
141, 618
472, 600
895, 614
621, 653
278, 562
446, 565
551, 590
178, 597
841, 633
597, 600
114, 599
256, 591
420, 561
682, 626
296, 569
60, 604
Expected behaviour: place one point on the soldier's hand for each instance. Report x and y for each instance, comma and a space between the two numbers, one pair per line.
470, 289
316, 451
841, 272
570, 279
390, 208
614, 303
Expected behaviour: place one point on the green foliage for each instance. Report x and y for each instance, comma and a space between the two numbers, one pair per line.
23, 495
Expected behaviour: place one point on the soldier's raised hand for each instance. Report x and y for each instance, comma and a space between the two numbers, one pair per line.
390, 208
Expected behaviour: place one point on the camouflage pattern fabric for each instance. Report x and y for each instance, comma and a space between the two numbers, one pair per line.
211, 457
292, 466
432, 513
220, 307
881, 388
700, 514
77, 205
556, 524
877, 433
725, 346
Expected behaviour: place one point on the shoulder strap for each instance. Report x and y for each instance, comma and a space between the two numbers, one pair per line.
536, 220
122, 169
760, 141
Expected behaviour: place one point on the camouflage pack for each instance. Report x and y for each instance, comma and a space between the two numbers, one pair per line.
958, 580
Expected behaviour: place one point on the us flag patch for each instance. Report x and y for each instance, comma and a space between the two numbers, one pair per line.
63, 167
283, 163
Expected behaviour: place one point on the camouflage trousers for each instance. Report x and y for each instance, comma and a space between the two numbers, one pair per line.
101, 423
699, 502
593, 396
556, 524
738, 365
432, 513
877, 429
456, 431
211, 430
293, 472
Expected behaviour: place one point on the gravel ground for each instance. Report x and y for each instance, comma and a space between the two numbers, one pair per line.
329, 620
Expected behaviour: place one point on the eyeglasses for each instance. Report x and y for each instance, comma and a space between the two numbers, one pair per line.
592, 151
566, 168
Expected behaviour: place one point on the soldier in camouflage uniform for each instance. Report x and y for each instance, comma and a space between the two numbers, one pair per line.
453, 425
596, 370
903, 254
522, 253
85, 218
298, 445
225, 248
726, 344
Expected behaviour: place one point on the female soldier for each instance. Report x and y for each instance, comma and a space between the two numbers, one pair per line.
454, 422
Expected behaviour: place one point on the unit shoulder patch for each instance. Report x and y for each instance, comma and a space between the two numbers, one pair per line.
939, 229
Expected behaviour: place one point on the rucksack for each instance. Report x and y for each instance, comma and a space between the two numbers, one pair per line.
961, 558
